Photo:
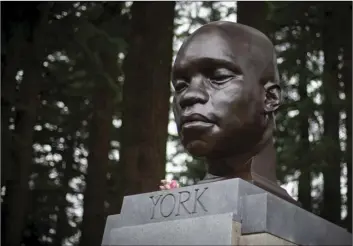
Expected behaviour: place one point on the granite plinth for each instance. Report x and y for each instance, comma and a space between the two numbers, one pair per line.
268, 213
192, 231
187, 202
206, 213
262, 239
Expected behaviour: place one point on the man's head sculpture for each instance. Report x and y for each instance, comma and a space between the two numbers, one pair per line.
226, 93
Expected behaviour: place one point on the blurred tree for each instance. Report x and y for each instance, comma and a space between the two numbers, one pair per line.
299, 33
346, 38
146, 96
55, 133
100, 132
331, 108
16, 199
304, 182
65, 104
253, 13
10, 65
66, 174
102, 59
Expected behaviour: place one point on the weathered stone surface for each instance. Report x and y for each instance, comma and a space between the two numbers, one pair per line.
112, 223
206, 230
268, 213
146, 218
262, 239
187, 202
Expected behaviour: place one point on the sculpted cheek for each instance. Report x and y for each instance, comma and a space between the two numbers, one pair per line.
232, 103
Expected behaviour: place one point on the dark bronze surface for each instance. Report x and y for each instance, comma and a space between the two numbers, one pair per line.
226, 93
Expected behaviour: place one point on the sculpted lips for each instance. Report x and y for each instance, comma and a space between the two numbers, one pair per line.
195, 120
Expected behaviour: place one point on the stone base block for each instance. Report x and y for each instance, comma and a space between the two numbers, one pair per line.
205, 230
262, 239
230, 212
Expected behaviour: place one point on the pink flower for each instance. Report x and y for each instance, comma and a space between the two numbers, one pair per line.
174, 184
167, 185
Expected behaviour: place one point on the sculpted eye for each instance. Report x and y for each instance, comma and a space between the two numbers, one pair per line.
221, 79
180, 85
221, 76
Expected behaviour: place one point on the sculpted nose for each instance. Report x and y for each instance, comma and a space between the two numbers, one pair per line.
195, 93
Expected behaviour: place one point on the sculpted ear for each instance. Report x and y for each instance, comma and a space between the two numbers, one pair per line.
273, 97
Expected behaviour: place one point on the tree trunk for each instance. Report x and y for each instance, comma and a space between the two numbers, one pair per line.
331, 108
17, 190
252, 13
99, 146
8, 92
95, 194
17, 187
13, 47
146, 95
304, 184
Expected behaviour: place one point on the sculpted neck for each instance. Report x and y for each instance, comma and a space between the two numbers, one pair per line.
260, 160
257, 166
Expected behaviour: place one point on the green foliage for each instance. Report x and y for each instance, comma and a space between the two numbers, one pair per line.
71, 40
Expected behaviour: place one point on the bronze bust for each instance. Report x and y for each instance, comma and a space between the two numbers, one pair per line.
227, 91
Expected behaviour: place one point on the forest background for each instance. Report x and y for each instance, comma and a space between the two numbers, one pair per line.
85, 115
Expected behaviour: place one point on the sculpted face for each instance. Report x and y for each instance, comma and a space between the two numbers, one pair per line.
220, 99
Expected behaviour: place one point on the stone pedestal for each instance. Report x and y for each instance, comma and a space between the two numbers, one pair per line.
230, 212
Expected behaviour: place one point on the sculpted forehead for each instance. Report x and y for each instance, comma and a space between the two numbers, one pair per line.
209, 43
231, 41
